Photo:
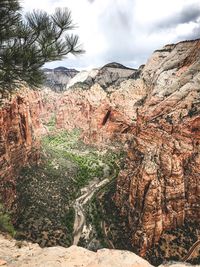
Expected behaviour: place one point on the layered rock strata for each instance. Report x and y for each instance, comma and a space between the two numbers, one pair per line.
157, 115
112, 73
160, 184
102, 115
20, 126
155, 112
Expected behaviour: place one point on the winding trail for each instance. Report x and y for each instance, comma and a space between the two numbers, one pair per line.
79, 207
191, 250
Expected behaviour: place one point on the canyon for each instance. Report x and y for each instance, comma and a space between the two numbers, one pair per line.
151, 114
156, 114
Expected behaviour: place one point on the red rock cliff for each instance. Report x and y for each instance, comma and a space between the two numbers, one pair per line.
103, 116
160, 185
158, 113
20, 126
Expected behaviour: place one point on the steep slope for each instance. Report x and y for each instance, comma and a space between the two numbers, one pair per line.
103, 116
22, 121
17, 139
159, 186
58, 78
156, 114
83, 76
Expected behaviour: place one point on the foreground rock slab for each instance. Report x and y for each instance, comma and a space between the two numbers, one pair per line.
23, 254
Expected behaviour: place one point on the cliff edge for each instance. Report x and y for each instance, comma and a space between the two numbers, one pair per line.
23, 254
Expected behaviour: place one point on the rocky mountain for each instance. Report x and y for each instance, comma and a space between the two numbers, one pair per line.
161, 174
156, 114
152, 114
61, 78
58, 78
112, 73
85, 77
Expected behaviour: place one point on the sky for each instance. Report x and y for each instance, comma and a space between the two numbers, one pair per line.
124, 31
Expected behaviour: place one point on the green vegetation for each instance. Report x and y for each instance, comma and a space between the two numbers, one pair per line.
69, 219
110, 228
46, 192
28, 41
89, 161
95, 217
52, 123
5, 222
193, 111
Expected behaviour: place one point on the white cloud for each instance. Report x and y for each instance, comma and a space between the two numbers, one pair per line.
126, 31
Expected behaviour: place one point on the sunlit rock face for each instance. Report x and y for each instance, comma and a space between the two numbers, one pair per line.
59, 256
58, 78
102, 115
22, 254
19, 124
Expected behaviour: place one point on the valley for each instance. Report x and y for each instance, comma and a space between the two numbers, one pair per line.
111, 161
52, 195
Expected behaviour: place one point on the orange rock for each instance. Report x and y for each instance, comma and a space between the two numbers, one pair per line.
2, 262
162, 188
20, 126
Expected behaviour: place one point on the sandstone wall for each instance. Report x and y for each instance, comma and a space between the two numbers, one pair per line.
160, 185
21, 125
157, 115
104, 116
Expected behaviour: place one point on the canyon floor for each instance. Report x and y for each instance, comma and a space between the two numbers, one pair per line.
112, 162
67, 199
53, 194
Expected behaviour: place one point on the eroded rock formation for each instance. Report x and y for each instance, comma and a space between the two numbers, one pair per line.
112, 73
160, 185
20, 126
58, 78
102, 115
156, 112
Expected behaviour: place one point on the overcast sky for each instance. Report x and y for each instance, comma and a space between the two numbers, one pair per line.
124, 31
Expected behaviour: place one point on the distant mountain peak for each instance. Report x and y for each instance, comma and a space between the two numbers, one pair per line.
115, 65
60, 69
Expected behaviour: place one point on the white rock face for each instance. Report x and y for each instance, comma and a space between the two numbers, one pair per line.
105, 76
23, 254
82, 76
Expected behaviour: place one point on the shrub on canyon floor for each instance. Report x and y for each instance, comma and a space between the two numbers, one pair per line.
51, 124
68, 146
46, 192
110, 227
5, 222
175, 243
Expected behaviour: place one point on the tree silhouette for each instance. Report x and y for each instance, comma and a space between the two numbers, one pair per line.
28, 42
